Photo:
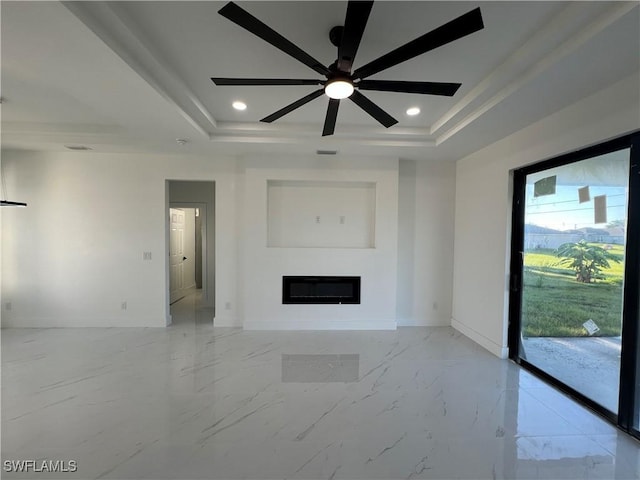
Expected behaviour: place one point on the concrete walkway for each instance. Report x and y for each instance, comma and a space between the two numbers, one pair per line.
591, 365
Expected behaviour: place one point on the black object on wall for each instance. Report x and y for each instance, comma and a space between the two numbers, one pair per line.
7, 203
320, 290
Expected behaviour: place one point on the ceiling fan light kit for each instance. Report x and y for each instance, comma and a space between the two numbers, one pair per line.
338, 89
341, 82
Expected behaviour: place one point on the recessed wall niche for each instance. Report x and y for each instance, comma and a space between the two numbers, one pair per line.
321, 214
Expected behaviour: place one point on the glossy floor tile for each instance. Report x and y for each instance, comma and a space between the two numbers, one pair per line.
303, 368
192, 401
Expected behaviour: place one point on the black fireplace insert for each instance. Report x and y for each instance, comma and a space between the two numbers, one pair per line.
320, 290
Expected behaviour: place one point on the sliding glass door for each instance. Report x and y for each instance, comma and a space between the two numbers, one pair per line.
572, 313
636, 385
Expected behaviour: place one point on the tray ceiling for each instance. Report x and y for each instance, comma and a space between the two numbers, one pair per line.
135, 76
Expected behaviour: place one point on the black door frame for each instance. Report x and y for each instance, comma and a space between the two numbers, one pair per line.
631, 304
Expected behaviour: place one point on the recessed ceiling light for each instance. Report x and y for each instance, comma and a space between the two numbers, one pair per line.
413, 111
239, 105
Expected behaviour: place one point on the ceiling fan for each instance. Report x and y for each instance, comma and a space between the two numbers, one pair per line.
341, 82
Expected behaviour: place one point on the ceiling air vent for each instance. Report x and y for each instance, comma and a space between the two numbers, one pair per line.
326, 152
77, 147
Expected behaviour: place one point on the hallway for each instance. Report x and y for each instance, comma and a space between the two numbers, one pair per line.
188, 311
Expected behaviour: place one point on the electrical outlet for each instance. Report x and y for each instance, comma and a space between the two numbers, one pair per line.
8, 306
318, 219
123, 305
146, 255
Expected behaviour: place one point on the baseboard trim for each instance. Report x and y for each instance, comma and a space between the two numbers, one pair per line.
499, 351
322, 325
407, 322
226, 322
80, 322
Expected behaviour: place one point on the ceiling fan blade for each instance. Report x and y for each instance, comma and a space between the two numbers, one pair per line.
247, 21
291, 107
354, 25
372, 109
425, 88
265, 81
330, 119
460, 27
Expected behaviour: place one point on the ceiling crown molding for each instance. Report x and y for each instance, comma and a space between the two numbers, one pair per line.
236, 132
119, 32
53, 129
569, 27
108, 22
508, 74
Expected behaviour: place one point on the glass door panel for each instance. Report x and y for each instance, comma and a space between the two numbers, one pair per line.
575, 220
636, 384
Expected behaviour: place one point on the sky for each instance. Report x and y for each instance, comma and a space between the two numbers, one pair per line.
606, 174
563, 211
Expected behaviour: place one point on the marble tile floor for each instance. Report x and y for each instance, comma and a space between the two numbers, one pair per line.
197, 402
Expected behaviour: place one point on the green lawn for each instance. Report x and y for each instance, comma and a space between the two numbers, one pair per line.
554, 304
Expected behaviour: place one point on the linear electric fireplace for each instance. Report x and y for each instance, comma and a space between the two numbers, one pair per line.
320, 290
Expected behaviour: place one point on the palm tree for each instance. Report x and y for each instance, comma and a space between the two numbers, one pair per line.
587, 260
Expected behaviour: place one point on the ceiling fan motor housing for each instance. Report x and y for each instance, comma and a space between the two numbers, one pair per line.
335, 35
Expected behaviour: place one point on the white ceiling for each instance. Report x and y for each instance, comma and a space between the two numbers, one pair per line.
135, 76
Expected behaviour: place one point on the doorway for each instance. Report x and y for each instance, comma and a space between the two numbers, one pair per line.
573, 314
190, 249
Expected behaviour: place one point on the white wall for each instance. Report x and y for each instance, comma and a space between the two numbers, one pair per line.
426, 196
321, 214
483, 203
75, 254
264, 267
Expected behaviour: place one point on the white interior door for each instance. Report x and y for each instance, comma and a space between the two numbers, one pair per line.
176, 254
